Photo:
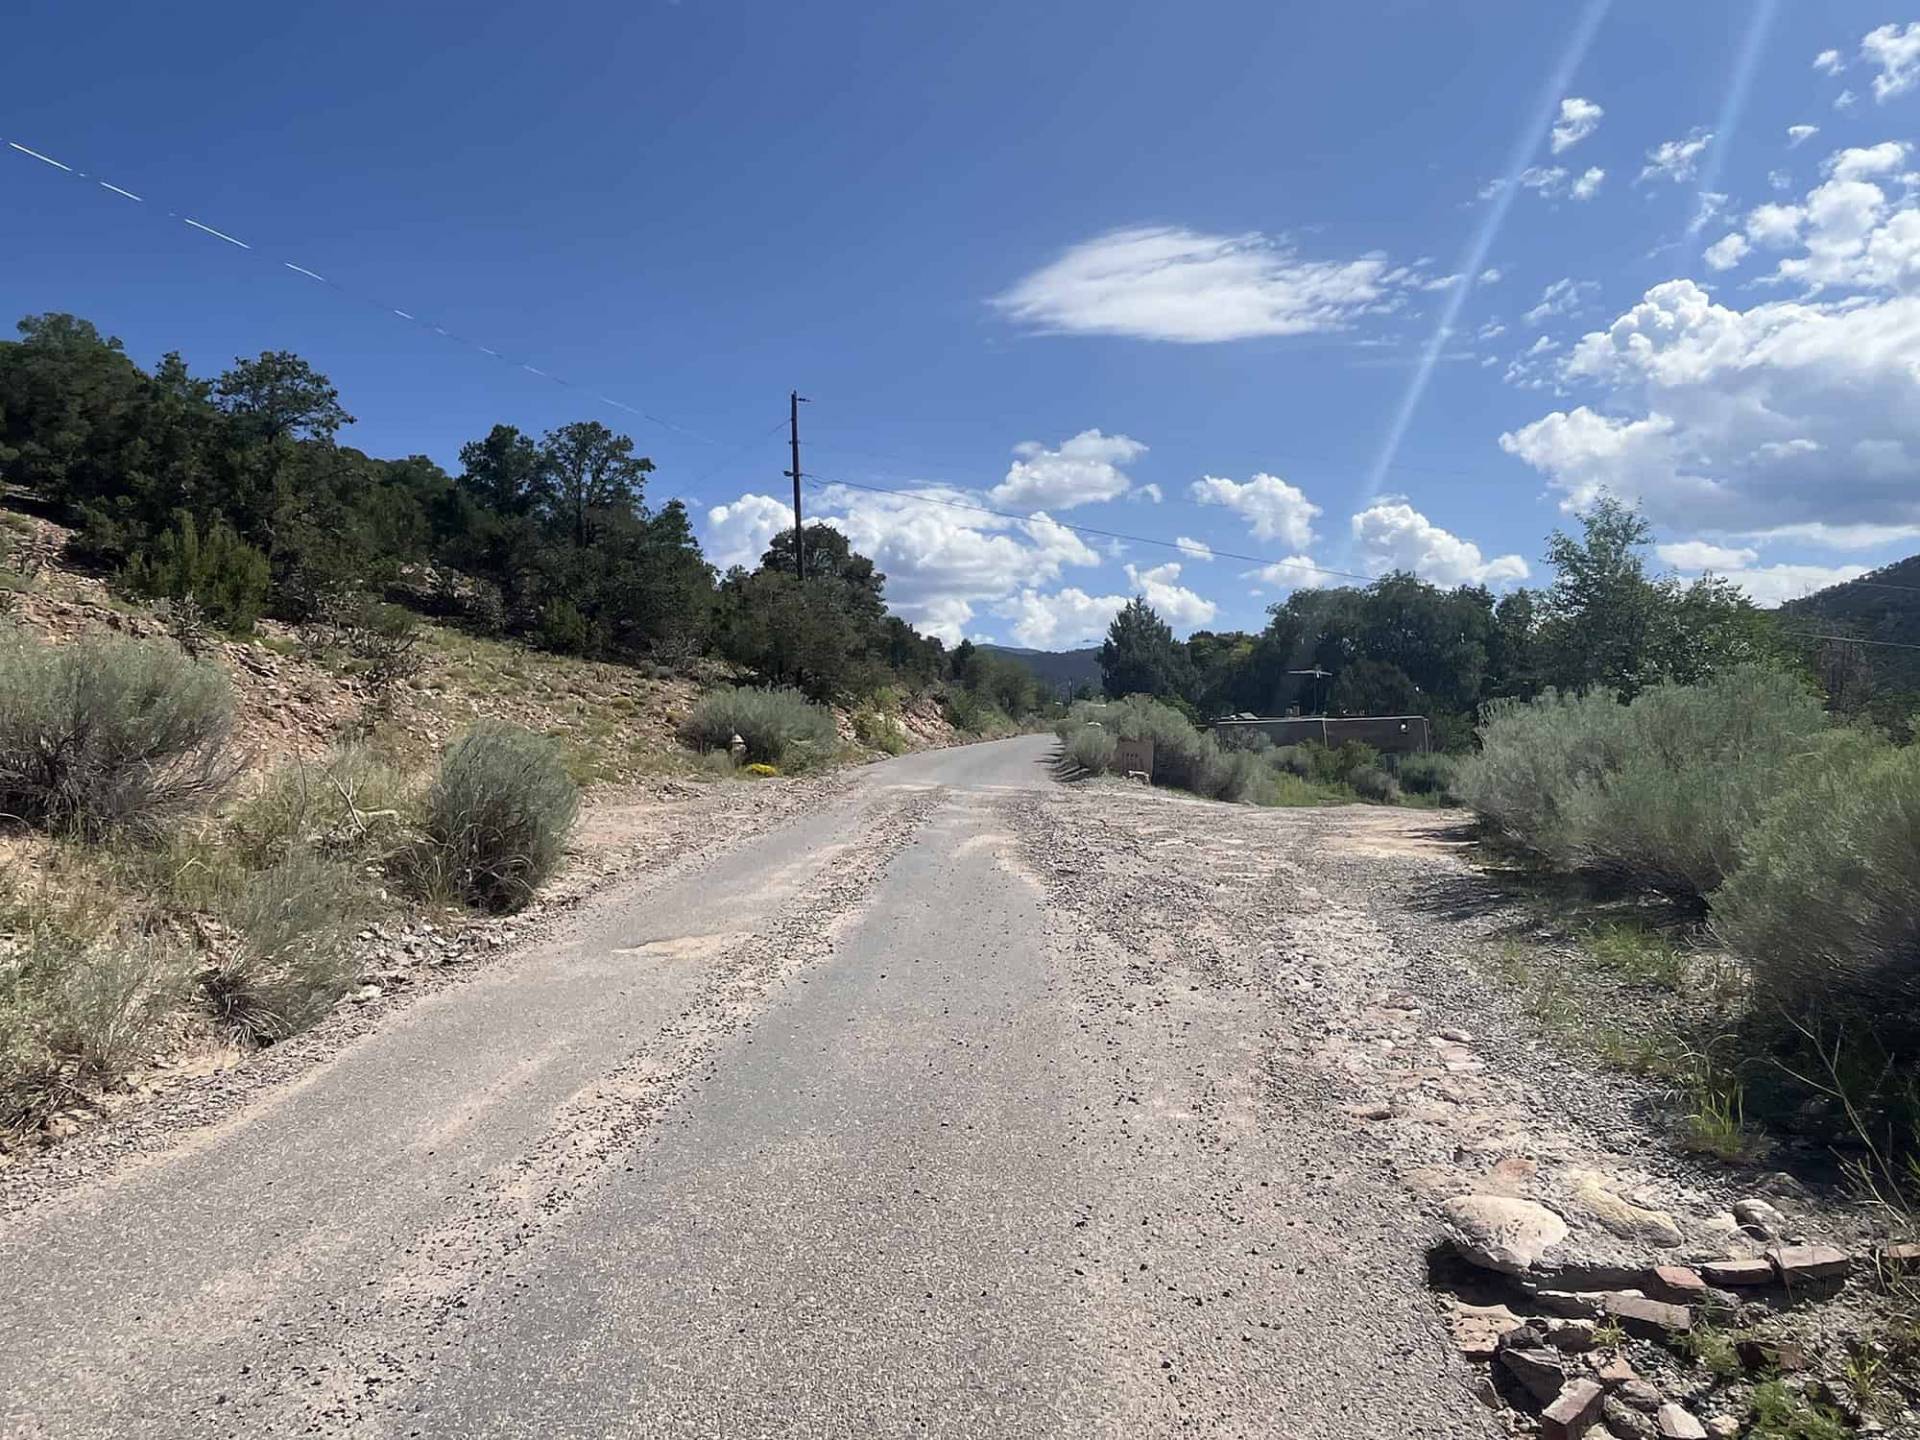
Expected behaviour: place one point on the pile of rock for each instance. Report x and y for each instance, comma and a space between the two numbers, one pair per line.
1562, 1339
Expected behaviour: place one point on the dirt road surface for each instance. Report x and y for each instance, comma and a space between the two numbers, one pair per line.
967, 1103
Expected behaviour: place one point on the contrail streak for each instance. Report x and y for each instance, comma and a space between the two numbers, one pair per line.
217, 234
1475, 259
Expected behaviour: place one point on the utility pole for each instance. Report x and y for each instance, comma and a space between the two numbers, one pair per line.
794, 401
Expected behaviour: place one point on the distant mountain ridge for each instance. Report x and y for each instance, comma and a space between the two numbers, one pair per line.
1865, 609
1057, 669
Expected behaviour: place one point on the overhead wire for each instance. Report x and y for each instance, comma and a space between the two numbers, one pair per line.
411, 317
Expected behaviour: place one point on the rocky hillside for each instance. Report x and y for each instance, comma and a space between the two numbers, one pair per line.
1871, 609
297, 697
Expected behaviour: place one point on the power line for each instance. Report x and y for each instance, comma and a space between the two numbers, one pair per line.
156, 207
1853, 639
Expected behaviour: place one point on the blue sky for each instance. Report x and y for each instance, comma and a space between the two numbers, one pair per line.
1179, 272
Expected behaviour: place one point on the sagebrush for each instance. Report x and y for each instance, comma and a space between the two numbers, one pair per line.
106, 737
495, 819
779, 727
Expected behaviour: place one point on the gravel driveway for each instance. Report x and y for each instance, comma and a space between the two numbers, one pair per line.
965, 1103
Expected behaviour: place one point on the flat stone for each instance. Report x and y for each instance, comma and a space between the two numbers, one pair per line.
1612, 1369
1478, 1329
1624, 1218
1576, 1337
1809, 1262
1739, 1273
1574, 1411
1649, 1319
1502, 1233
1678, 1282
1723, 1427
1640, 1394
1542, 1372
1570, 1304
1677, 1423
1761, 1217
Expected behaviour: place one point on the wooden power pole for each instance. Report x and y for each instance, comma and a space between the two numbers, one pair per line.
794, 400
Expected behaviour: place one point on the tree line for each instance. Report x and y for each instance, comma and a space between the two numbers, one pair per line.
1402, 646
237, 490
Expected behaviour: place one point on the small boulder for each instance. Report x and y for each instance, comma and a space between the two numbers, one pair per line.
1677, 1423
1649, 1319
1624, 1218
1760, 1217
1625, 1422
1501, 1233
1542, 1372
1678, 1283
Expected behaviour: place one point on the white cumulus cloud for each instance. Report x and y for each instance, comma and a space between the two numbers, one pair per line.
1275, 509
1588, 185
1828, 62
739, 532
1562, 297
1392, 535
1172, 601
1192, 548
1080, 471
1065, 619
1894, 51
1677, 160
1728, 251
1789, 413
1704, 555
1578, 119
1171, 283
1798, 135
1296, 572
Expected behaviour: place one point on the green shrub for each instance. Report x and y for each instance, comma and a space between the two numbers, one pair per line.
780, 727
496, 818
1352, 756
1370, 782
110, 737
1431, 774
294, 957
1183, 758
976, 713
1826, 906
1660, 793
1700, 766
79, 1008
879, 731
222, 574
1533, 755
1294, 760
1091, 747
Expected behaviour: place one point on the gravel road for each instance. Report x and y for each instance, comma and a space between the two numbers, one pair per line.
964, 1104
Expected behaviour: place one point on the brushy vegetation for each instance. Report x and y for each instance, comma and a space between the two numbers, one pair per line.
1660, 793
496, 818
292, 958
84, 997
1826, 903
108, 737
1793, 841
779, 727
1247, 768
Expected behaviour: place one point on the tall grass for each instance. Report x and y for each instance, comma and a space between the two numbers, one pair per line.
110, 737
779, 727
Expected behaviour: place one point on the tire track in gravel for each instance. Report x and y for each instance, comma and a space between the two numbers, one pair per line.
388, 1340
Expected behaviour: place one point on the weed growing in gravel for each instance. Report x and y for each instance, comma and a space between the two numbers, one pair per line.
1779, 1414
1712, 1349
